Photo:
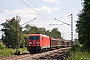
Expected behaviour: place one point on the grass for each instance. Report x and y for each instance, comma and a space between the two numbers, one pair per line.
9, 52
78, 52
79, 56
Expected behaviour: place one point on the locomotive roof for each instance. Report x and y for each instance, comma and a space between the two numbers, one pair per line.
44, 35
40, 35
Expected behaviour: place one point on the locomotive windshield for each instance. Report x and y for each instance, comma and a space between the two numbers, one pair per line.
34, 37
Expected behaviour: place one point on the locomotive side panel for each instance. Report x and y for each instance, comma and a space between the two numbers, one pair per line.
45, 42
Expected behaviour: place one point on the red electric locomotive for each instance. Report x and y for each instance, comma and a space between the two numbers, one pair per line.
39, 42
36, 42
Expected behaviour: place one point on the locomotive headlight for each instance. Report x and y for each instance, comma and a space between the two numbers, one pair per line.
38, 45
30, 43
37, 42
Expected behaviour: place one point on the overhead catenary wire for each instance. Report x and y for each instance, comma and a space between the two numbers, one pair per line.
62, 21
11, 15
33, 3
28, 22
49, 16
4, 12
35, 6
55, 24
35, 11
1, 8
40, 9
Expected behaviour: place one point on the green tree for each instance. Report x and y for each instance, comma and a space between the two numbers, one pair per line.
33, 29
83, 25
75, 42
55, 33
13, 33
43, 30
2, 46
27, 29
48, 33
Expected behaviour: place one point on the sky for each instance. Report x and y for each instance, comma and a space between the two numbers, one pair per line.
45, 12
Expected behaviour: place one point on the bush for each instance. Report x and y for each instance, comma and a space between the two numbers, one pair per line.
79, 52
7, 52
75, 48
2, 46
10, 51
79, 56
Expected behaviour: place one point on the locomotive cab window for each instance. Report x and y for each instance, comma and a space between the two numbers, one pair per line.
34, 37
42, 38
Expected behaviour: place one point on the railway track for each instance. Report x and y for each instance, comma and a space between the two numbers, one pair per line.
61, 53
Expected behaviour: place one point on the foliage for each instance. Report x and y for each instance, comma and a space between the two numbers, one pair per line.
74, 48
20, 51
76, 42
24, 40
78, 52
33, 29
55, 33
14, 37
9, 52
13, 34
83, 24
79, 56
2, 46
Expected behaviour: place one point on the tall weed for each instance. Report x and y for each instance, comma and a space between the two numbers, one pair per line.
79, 52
